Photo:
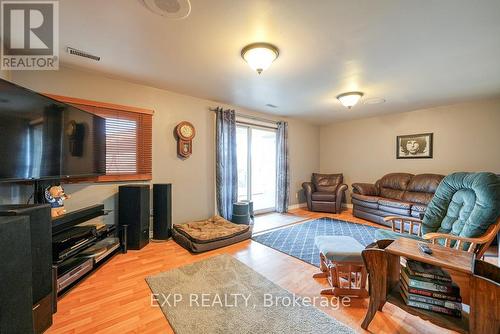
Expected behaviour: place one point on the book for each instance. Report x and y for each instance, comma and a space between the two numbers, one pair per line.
429, 307
434, 294
427, 270
429, 284
430, 300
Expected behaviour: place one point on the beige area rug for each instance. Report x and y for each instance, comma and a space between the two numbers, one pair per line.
223, 295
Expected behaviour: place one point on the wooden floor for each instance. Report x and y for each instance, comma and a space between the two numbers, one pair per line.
116, 298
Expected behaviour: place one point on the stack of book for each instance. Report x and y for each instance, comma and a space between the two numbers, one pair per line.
430, 288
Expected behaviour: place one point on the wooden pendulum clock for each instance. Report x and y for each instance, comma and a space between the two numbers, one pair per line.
185, 133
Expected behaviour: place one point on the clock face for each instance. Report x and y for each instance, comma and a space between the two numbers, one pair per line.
186, 131
71, 128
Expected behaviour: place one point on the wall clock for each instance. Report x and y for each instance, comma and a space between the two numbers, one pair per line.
185, 133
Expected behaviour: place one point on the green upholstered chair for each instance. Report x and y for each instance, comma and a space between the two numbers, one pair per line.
463, 214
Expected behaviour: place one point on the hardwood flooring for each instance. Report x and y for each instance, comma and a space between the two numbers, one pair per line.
270, 221
116, 298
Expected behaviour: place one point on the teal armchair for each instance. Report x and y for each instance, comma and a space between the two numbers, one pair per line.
463, 214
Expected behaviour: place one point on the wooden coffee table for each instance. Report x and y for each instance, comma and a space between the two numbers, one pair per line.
384, 265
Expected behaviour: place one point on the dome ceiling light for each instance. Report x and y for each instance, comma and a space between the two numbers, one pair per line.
260, 55
349, 99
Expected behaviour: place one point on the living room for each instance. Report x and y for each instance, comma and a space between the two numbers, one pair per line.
391, 107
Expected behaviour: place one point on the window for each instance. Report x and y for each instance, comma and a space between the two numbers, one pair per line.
128, 139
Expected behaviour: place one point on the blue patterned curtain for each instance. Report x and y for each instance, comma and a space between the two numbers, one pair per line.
226, 168
283, 171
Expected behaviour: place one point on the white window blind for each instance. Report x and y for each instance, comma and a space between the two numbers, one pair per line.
121, 146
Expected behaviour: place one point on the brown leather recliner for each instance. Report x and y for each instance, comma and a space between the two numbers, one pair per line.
325, 193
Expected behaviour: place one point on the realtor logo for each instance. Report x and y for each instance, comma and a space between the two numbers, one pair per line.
30, 35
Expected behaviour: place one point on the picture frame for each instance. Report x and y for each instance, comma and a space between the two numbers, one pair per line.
415, 146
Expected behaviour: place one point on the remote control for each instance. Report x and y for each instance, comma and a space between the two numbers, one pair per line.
425, 248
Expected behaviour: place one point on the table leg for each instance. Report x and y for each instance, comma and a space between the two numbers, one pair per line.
376, 263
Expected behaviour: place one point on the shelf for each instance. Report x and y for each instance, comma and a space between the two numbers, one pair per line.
460, 325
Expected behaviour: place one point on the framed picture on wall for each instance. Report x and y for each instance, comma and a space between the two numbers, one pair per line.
418, 146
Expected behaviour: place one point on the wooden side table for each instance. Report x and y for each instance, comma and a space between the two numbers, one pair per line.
383, 263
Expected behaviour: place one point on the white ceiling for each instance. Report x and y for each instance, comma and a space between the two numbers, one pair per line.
413, 53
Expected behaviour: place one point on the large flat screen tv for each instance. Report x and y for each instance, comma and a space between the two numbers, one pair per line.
41, 138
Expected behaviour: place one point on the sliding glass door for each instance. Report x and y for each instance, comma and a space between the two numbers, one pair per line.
256, 155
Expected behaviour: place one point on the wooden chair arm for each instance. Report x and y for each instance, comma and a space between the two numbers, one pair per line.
448, 238
479, 245
403, 221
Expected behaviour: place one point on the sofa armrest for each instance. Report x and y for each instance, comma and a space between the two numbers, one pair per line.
308, 190
340, 195
365, 189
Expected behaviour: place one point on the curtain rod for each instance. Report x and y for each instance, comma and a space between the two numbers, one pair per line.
255, 118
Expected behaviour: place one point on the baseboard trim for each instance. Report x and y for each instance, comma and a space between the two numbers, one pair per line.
297, 206
303, 205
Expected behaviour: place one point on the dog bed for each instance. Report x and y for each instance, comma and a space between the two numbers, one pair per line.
205, 235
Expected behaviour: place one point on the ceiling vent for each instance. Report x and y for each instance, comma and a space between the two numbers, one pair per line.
83, 54
171, 9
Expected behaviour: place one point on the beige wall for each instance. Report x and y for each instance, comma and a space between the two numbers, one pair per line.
193, 179
466, 138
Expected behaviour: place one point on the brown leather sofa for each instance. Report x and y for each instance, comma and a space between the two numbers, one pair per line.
395, 194
325, 192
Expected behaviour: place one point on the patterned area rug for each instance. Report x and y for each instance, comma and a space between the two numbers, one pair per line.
298, 240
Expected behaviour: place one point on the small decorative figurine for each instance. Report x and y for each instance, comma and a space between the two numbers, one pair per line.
55, 196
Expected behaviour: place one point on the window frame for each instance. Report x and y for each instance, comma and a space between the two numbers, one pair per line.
143, 116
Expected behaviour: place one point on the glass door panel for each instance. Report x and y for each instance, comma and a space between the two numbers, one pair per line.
263, 167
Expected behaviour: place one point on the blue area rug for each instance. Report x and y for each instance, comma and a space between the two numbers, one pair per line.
298, 240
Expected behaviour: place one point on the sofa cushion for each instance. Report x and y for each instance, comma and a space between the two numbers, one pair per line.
323, 196
394, 211
327, 182
393, 185
417, 209
421, 188
394, 203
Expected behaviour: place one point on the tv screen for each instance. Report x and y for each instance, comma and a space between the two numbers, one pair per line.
45, 139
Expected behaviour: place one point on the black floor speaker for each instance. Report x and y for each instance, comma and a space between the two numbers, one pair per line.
40, 223
16, 300
162, 211
133, 211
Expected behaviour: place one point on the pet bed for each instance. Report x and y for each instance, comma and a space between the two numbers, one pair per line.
204, 235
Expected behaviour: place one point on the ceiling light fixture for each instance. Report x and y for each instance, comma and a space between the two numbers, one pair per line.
260, 55
349, 99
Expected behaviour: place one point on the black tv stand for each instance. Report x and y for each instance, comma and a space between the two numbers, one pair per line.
81, 243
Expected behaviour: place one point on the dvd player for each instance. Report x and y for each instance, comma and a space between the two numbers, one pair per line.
71, 270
